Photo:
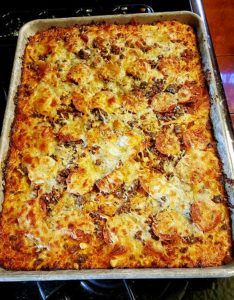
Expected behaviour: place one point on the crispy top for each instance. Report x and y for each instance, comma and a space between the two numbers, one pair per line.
112, 160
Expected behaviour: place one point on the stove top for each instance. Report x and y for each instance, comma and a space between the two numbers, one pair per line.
10, 22
120, 289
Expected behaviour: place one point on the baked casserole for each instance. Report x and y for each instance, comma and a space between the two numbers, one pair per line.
112, 161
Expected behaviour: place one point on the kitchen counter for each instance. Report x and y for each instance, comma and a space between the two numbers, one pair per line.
220, 19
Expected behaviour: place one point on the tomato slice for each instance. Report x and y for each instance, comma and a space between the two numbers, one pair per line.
190, 92
164, 102
205, 215
197, 136
167, 143
169, 226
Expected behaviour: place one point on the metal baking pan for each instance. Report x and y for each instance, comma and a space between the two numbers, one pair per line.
222, 129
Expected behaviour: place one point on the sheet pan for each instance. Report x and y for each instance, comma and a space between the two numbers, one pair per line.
222, 129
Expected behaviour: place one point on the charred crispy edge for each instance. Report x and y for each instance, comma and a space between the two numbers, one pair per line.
223, 180
9, 264
133, 22
206, 80
16, 100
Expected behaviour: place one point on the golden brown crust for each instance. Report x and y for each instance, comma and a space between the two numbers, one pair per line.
112, 162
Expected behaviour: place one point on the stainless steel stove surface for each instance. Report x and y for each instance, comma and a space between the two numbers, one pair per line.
10, 22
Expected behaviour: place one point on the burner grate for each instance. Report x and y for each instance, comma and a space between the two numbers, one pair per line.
125, 289
88, 289
103, 288
12, 21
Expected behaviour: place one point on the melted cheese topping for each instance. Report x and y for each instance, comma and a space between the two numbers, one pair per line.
112, 160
